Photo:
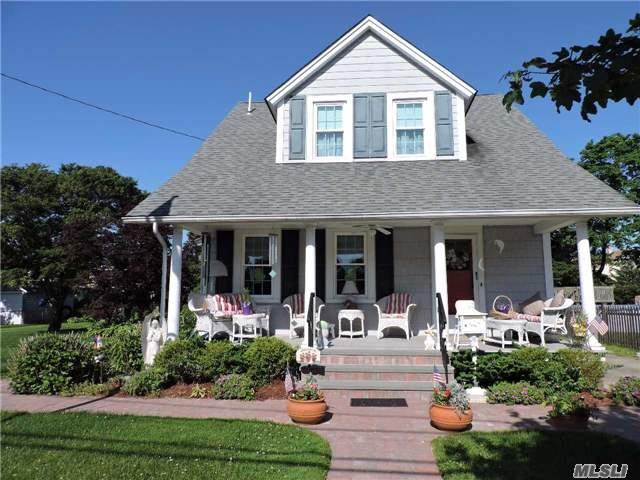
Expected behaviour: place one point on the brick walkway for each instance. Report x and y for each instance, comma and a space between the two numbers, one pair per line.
366, 442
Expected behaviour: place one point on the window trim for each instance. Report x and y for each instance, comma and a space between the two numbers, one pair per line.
421, 127
239, 265
331, 264
428, 124
346, 102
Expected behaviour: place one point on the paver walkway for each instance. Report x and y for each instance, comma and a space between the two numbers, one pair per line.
366, 442
621, 367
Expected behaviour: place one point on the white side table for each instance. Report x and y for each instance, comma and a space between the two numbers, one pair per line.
255, 322
351, 316
504, 326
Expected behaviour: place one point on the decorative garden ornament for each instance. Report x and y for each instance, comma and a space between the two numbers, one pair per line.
151, 340
430, 340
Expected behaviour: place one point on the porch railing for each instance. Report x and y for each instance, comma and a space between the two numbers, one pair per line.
310, 320
442, 325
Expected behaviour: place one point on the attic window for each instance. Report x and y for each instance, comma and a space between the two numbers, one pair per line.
329, 131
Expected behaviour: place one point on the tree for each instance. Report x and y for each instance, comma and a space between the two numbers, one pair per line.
586, 75
62, 235
615, 160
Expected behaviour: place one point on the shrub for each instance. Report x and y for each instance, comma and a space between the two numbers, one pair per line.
626, 391
199, 391
569, 403
49, 363
81, 319
178, 359
234, 386
267, 358
589, 364
91, 389
521, 393
122, 347
187, 323
146, 382
221, 357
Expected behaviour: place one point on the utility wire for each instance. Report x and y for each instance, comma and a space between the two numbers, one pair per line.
87, 104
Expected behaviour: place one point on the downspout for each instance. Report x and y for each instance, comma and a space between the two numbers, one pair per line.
163, 286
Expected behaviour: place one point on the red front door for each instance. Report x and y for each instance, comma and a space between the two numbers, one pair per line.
459, 271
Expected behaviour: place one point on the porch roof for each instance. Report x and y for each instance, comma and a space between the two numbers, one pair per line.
513, 169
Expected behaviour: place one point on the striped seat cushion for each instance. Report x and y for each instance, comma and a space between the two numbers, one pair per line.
227, 304
297, 303
528, 318
397, 303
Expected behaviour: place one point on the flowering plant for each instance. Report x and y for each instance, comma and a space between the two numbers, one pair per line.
452, 395
580, 325
308, 391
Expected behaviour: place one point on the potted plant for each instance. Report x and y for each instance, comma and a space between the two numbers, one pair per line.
245, 302
579, 328
569, 408
306, 403
450, 409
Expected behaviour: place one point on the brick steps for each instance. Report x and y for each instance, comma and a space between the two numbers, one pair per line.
407, 373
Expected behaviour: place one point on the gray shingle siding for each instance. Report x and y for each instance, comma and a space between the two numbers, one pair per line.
512, 166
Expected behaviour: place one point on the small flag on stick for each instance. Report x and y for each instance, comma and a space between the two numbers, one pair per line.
289, 384
438, 376
599, 326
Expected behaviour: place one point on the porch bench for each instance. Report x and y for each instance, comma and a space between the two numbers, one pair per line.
552, 318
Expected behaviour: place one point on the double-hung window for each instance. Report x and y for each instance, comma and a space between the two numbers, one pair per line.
351, 264
329, 130
257, 265
409, 124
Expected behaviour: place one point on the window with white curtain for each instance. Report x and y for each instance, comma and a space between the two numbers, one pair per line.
329, 130
409, 123
257, 264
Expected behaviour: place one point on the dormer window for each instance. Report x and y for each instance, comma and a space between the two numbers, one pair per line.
329, 131
409, 128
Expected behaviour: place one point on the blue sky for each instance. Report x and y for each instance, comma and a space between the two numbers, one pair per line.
186, 65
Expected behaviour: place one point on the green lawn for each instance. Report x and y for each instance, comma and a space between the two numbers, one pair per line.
620, 350
528, 455
88, 446
10, 335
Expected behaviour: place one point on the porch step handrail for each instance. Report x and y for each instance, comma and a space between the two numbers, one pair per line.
311, 320
442, 324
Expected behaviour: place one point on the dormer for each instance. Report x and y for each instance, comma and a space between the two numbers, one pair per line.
371, 96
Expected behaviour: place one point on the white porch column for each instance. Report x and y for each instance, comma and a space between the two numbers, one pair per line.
309, 271
587, 295
175, 278
439, 271
548, 264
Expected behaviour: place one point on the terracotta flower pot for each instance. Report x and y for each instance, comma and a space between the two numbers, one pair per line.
446, 418
307, 411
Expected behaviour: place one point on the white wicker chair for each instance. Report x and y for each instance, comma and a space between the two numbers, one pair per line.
552, 318
204, 321
399, 320
297, 318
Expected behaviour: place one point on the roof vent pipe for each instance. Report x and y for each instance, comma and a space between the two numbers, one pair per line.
249, 105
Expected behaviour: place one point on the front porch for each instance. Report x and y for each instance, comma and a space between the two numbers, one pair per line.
344, 262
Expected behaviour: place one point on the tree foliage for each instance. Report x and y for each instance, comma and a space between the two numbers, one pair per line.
587, 75
615, 160
62, 234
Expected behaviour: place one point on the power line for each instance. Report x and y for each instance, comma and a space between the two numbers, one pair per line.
97, 107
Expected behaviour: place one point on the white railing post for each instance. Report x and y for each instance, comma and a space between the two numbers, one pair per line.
309, 272
175, 278
587, 295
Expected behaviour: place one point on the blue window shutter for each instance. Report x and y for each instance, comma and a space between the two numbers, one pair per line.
444, 124
378, 125
360, 125
296, 128
369, 125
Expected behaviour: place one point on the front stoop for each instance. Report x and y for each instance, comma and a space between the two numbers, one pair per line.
375, 373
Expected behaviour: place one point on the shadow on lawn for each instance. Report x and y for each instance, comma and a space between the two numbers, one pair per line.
537, 454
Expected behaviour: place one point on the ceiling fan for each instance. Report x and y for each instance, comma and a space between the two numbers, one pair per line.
383, 229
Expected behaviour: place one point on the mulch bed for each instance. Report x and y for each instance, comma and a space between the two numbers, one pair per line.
595, 402
274, 391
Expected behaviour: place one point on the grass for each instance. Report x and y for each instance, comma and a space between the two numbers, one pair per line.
10, 336
89, 446
620, 350
527, 455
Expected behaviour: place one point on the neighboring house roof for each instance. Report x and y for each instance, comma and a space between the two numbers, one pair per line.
512, 169
351, 36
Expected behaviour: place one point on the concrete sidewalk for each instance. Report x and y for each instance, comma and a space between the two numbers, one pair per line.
366, 442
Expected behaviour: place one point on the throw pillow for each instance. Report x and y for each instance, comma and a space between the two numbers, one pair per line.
558, 299
533, 298
534, 308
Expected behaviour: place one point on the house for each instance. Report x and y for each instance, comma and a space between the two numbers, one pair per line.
375, 166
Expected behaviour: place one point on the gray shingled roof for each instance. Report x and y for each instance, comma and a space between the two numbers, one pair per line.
512, 167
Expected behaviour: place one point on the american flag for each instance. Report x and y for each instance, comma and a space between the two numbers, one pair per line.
289, 384
599, 326
438, 377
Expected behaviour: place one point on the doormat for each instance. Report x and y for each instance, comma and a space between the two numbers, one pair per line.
378, 402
